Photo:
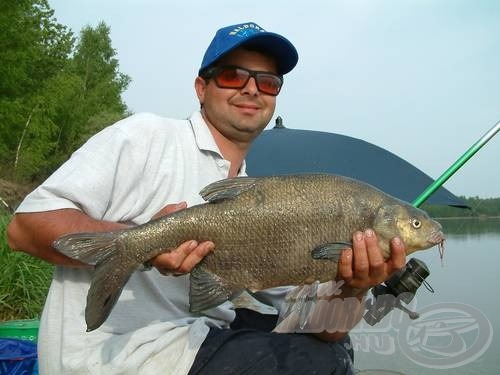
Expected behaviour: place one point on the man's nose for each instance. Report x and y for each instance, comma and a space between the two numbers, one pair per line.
251, 87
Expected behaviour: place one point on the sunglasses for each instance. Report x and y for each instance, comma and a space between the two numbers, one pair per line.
235, 77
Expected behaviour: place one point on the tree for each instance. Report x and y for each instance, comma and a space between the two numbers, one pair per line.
33, 48
101, 86
54, 93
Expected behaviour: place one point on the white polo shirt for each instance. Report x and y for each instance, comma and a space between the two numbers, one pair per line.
127, 173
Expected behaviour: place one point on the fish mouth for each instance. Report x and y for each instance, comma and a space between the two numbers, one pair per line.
437, 238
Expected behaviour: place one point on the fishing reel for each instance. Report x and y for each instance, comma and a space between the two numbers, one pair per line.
401, 287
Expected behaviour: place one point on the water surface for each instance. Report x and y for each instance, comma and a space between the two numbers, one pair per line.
466, 291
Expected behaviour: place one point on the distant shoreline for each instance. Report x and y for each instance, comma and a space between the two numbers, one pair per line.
465, 217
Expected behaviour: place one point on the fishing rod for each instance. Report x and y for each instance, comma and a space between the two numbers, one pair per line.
403, 285
456, 166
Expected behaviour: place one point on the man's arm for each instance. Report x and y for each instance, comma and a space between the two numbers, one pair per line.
361, 268
35, 232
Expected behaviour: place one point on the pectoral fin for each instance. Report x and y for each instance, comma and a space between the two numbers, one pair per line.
330, 251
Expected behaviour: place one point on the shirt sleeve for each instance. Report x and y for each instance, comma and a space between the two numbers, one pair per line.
90, 180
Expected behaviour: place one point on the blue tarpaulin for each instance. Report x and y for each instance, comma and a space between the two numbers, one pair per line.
289, 151
17, 357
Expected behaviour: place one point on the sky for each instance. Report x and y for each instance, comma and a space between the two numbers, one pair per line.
420, 78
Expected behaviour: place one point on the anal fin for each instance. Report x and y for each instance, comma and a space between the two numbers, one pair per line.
207, 290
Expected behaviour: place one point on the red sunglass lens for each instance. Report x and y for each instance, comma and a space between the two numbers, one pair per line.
268, 84
232, 78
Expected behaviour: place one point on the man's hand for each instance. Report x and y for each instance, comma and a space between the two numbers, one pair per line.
361, 268
364, 266
183, 259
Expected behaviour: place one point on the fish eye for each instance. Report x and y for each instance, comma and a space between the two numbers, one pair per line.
416, 223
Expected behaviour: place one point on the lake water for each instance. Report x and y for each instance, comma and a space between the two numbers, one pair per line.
453, 331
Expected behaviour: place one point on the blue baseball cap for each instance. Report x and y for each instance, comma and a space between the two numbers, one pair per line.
230, 37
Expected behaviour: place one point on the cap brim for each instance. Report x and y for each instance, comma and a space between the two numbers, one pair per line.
274, 44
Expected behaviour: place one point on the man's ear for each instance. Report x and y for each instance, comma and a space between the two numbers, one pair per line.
200, 86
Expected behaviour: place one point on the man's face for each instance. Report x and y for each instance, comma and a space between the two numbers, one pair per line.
238, 114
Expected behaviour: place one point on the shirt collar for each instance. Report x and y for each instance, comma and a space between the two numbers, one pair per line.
205, 140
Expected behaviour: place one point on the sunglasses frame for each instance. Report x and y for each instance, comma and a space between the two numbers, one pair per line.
212, 72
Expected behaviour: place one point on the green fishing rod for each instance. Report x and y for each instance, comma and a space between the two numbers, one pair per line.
456, 166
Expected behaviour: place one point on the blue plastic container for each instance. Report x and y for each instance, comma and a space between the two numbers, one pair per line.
17, 357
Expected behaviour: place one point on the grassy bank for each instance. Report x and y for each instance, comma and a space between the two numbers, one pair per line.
24, 281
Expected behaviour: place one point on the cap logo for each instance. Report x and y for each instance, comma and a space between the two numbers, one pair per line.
230, 37
245, 30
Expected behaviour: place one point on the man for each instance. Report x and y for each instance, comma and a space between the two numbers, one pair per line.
129, 173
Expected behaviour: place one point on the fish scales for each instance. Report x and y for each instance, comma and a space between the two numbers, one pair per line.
271, 231
275, 218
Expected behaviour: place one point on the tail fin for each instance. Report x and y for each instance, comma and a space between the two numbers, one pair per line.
112, 271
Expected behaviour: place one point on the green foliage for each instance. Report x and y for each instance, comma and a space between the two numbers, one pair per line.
24, 281
479, 207
33, 46
54, 91
470, 226
99, 90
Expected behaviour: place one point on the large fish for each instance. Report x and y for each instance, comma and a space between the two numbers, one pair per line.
270, 231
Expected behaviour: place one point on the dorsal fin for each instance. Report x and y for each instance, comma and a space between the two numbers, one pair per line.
228, 188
